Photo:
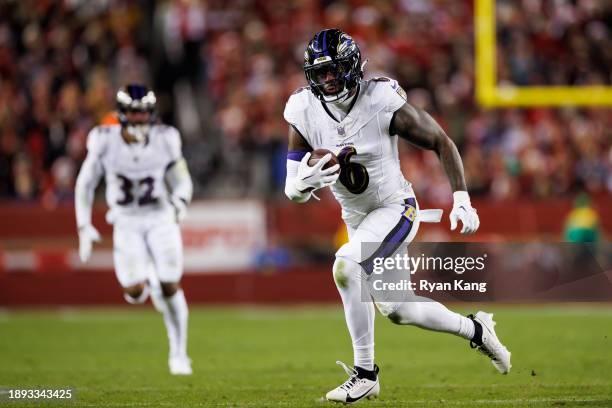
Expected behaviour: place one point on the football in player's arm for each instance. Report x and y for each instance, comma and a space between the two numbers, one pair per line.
148, 189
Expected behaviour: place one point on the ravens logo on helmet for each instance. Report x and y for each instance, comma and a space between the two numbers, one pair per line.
332, 64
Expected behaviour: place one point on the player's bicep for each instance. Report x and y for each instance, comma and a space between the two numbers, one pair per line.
90, 174
417, 127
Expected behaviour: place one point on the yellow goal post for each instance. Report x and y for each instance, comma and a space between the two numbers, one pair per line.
490, 94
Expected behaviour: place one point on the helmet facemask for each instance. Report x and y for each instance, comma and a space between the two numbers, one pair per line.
136, 100
330, 80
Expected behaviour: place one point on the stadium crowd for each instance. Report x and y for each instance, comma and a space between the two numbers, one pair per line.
224, 69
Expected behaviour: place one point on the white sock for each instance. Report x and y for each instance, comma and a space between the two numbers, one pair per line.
363, 356
431, 315
359, 315
466, 328
175, 312
178, 307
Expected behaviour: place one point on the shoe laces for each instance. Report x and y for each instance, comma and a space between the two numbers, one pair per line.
484, 350
353, 378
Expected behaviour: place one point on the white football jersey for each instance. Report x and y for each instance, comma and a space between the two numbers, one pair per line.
371, 173
134, 172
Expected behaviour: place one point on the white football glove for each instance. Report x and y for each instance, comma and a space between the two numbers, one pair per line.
315, 177
463, 211
88, 234
180, 208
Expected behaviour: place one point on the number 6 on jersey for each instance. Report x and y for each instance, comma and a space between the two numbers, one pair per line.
353, 176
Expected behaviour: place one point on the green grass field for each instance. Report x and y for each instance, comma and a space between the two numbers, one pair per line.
285, 357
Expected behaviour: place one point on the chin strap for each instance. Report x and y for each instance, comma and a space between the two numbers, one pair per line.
339, 97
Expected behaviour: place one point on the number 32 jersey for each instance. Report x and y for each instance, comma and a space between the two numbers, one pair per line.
371, 175
134, 172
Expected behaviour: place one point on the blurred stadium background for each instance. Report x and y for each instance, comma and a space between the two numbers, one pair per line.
538, 165
223, 70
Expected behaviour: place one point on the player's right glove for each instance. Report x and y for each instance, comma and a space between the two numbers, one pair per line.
315, 177
88, 234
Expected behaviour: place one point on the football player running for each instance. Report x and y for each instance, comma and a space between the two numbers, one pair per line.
361, 120
148, 188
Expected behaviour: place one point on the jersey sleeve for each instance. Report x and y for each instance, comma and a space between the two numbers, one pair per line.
295, 111
96, 142
89, 176
387, 94
173, 141
394, 95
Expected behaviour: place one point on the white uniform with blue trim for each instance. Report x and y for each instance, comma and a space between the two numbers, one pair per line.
145, 229
371, 214
134, 173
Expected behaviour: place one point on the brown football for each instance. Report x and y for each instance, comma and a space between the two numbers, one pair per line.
317, 154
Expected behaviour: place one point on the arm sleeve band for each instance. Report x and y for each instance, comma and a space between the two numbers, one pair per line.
296, 155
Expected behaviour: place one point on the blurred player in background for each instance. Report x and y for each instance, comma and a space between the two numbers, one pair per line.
148, 188
361, 121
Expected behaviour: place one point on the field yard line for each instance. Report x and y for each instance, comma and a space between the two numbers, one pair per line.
498, 401
247, 388
78, 314
570, 310
539, 385
374, 402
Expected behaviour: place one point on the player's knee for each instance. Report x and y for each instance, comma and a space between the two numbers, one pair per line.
389, 310
169, 288
395, 317
339, 271
136, 294
405, 313
134, 291
345, 271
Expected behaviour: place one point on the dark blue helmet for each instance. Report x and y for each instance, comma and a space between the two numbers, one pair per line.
135, 97
332, 64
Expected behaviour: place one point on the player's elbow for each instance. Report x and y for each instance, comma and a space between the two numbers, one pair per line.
443, 143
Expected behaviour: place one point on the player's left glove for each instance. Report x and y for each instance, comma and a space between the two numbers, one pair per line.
88, 234
464, 212
180, 208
